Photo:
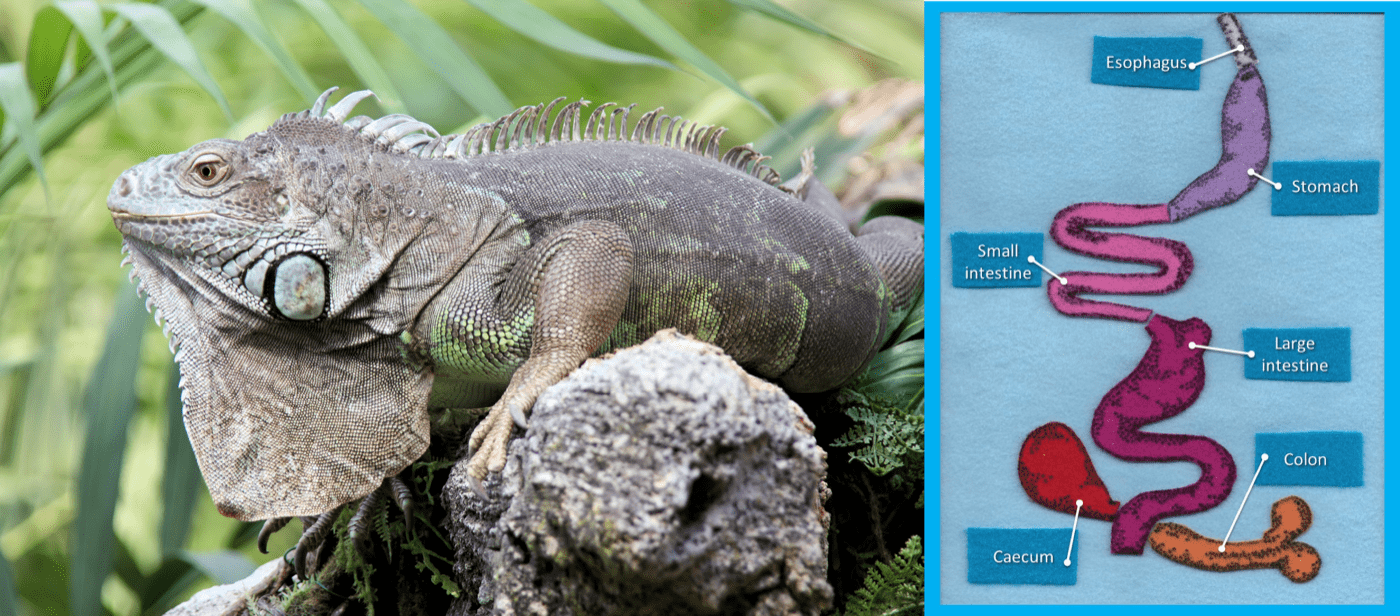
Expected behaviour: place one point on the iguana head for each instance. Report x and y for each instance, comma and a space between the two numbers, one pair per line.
287, 266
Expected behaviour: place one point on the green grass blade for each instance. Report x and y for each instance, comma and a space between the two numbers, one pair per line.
655, 28
9, 599
16, 378
913, 324
242, 15
86, 16
359, 57
165, 34
35, 572
898, 359
786, 141
430, 42
903, 386
48, 40
782, 13
18, 104
165, 585
81, 53
224, 567
124, 565
243, 534
108, 403
524, 18
182, 485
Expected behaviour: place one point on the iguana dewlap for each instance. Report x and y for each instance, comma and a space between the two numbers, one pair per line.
328, 281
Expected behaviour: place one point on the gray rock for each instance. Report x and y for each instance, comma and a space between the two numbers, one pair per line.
661, 480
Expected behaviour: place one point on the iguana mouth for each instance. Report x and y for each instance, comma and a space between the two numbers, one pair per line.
155, 229
125, 215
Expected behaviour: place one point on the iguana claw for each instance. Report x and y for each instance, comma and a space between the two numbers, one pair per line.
477, 486
271, 526
518, 414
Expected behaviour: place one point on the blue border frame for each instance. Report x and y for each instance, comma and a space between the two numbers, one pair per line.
933, 269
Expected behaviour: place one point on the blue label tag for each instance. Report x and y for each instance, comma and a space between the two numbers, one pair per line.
1021, 556
988, 260
1310, 459
1326, 187
1147, 62
1304, 354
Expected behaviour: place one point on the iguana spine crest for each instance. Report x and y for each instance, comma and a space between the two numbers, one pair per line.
537, 126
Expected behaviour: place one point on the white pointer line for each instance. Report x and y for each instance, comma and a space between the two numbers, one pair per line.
1058, 277
1193, 65
1077, 504
1277, 186
1192, 345
1264, 457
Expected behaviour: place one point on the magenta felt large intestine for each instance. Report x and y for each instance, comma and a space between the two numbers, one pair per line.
1166, 382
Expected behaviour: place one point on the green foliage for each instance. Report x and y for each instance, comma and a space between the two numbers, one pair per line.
9, 599
353, 561
424, 473
655, 28
425, 544
432, 43
893, 588
889, 434
48, 40
17, 104
426, 555
524, 18
108, 404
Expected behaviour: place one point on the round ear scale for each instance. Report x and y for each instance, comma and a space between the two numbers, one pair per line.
299, 287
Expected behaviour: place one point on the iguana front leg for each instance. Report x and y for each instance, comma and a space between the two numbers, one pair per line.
581, 276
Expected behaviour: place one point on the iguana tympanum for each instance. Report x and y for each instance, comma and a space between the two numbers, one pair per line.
328, 281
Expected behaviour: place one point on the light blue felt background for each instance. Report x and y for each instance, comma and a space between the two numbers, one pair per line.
1023, 134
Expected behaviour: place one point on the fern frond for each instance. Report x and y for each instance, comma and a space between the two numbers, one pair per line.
888, 435
893, 588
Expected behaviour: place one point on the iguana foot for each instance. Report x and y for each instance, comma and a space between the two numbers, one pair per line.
317, 539
487, 447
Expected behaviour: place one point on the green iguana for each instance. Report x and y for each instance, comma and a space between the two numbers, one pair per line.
328, 281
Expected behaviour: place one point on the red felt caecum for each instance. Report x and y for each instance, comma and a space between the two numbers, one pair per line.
1055, 471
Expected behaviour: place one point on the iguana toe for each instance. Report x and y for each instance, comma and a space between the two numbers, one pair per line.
359, 529
404, 498
490, 457
479, 433
314, 538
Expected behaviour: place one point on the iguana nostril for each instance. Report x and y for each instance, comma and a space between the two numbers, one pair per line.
125, 186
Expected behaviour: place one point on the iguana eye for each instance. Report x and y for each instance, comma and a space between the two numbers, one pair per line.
299, 287
209, 169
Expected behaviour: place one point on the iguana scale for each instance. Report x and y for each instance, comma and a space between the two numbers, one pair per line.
328, 281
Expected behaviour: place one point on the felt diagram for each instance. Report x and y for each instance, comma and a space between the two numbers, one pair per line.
1151, 413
